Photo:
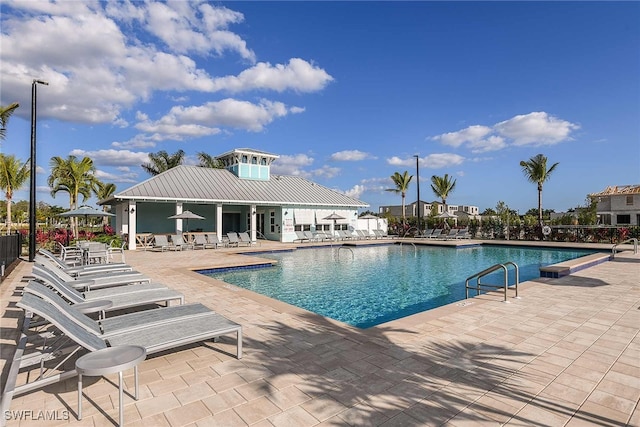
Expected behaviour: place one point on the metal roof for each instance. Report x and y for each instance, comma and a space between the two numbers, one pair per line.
208, 185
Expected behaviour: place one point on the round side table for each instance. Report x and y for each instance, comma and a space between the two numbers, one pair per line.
109, 361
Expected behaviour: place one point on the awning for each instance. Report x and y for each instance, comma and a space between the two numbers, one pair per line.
303, 216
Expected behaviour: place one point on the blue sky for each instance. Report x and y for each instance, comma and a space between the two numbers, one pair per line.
345, 92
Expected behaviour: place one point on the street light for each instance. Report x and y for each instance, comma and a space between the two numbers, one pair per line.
418, 184
32, 194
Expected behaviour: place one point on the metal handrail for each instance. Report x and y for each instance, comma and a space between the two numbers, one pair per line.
415, 248
489, 270
635, 246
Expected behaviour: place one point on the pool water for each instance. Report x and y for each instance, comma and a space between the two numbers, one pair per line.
367, 286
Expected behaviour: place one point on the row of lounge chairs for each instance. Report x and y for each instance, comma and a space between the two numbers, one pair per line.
322, 236
177, 242
438, 233
60, 300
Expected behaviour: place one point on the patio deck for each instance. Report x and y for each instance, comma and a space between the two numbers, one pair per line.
567, 353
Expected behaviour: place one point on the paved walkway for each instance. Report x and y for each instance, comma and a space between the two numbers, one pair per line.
567, 353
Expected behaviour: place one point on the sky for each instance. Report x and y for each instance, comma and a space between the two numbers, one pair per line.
346, 93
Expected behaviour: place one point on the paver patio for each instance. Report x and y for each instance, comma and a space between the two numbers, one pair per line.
566, 353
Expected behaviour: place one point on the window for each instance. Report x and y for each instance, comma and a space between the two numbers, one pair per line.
263, 161
245, 159
272, 221
623, 219
254, 160
629, 200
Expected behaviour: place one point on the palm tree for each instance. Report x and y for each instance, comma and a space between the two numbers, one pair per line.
402, 185
536, 171
13, 175
442, 186
5, 113
163, 161
104, 192
75, 177
208, 161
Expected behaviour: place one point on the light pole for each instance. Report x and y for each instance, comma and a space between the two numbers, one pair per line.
32, 194
418, 185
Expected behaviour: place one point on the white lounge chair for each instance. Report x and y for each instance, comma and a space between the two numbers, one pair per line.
214, 239
244, 238
200, 241
301, 237
98, 280
437, 233
178, 242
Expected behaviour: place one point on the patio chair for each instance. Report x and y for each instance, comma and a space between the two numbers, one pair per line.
113, 249
96, 253
244, 238
301, 237
463, 233
45, 256
178, 242
436, 234
451, 234
200, 241
426, 233
309, 235
96, 281
154, 338
161, 241
120, 297
215, 240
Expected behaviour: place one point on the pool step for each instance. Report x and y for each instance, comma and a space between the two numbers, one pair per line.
571, 266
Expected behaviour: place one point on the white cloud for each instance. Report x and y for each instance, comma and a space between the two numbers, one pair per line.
113, 157
356, 191
432, 161
138, 141
326, 172
109, 58
292, 165
298, 75
128, 178
537, 128
350, 156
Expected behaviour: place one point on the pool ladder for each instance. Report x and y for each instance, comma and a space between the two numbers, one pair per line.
480, 286
635, 246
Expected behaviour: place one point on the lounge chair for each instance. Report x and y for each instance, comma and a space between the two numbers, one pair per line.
200, 241
321, 236
426, 233
463, 233
161, 241
155, 337
214, 239
178, 242
301, 237
121, 296
309, 235
244, 238
451, 234
437, 233
98, 280
120, 323
234, 240
45, 257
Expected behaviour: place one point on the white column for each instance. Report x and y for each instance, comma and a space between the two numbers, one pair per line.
178, 221
219, 220
254, 215
131, 218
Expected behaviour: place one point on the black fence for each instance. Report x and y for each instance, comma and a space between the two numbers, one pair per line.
10, 250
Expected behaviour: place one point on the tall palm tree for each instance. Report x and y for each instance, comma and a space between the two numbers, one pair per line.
13, 175
5, 113
535, 170
75, 177
401, 183
105, 190
442, 186
163, 161
208, 161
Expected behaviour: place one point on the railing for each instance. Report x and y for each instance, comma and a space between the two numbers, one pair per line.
635, 246
10, 250
479, 286
415, 248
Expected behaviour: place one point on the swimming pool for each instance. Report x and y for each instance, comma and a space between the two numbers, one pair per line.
367, 286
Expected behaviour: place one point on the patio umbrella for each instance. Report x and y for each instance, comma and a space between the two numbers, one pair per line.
334, 217
447, 215
85, 212
186, 215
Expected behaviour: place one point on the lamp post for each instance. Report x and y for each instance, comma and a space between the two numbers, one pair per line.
32, 194
418, 185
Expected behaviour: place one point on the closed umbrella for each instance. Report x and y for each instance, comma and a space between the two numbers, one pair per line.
334, 217
186, 215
